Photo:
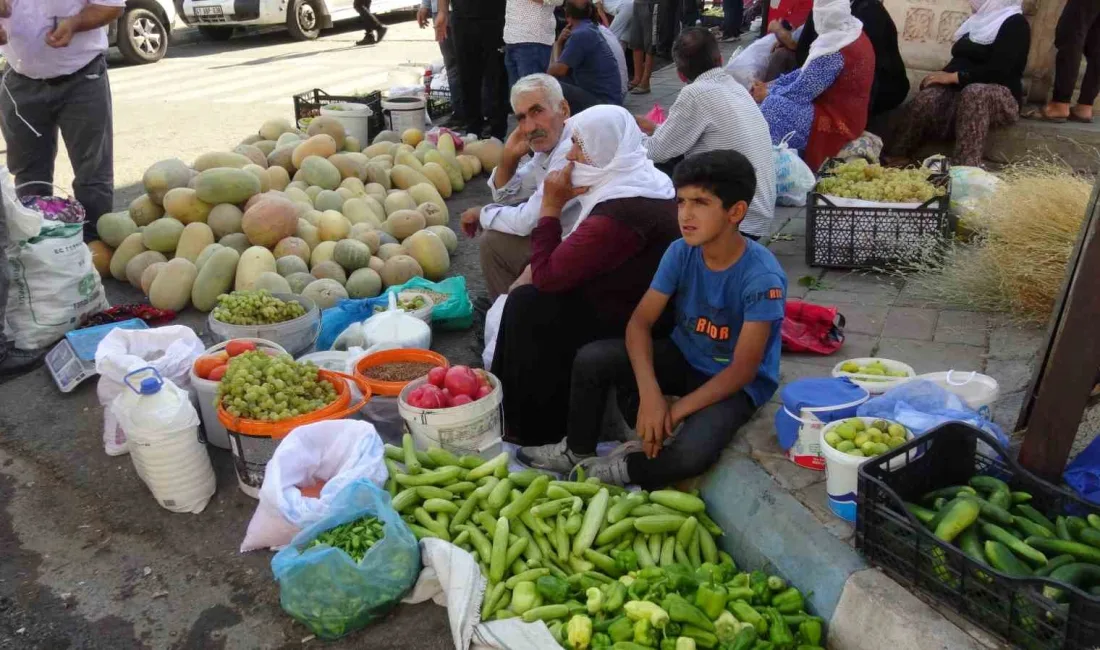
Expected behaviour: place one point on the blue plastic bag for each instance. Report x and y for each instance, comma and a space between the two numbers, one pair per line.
921, 405
1083, 474
338, 318
455, 313
327, 591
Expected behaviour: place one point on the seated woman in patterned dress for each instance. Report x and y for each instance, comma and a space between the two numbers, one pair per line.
823, 105
980, 88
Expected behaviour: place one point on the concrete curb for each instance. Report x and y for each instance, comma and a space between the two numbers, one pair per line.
865, 609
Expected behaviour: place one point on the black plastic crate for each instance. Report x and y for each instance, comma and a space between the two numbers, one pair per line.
891, 538
876, 237
308, 104
439, 103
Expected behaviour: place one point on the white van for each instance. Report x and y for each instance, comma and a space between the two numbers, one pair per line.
304, 18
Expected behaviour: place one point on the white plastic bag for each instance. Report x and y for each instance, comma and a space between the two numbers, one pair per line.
171, 350
492, 327
53, 285
335, 451
394, 328
793, 178
969, 187
163, 433
23, 223
748, 65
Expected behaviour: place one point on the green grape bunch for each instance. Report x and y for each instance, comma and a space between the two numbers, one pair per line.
255, 308
858, 179
258, 386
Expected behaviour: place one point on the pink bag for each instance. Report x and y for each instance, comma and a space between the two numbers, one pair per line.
656, 115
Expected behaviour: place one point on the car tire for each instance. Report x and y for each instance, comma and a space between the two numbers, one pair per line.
303, 20
142, 37
216, 33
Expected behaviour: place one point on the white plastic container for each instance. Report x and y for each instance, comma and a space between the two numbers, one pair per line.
876, 384
295, 336
355, 118
474, 428
207, 393
404, 113
425, 312
842, 472
978, 391
162, 429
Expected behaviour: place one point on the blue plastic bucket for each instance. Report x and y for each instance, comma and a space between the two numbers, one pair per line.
808, 405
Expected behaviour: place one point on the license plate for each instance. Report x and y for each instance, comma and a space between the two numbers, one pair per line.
208, 11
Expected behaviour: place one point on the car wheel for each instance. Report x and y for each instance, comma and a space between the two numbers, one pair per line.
142, 37
303, 20
217, 33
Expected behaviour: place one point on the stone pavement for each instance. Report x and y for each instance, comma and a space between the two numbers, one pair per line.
885, 317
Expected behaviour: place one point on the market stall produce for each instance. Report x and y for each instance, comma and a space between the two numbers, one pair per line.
602, 567
310, 213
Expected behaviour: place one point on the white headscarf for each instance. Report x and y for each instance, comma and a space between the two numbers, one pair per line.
983, 25
836, 28
620, 168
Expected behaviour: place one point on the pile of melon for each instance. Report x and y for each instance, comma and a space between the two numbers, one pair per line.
292, 212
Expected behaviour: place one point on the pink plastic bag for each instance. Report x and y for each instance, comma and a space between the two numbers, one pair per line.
656, 115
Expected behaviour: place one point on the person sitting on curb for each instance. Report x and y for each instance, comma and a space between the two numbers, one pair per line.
722, 357
715, 112
584, 62
541, 113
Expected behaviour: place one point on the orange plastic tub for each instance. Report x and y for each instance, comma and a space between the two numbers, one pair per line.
393, 388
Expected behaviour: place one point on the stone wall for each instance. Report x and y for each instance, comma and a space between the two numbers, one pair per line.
926, 29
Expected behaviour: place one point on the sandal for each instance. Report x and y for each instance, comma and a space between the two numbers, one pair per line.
1073, 117
640, 90
1039, 114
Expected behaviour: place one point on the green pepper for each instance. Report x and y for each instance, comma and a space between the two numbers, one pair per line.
739, 580
745, 639
711, 598
681, 611
789, 601
638, 589
703, 638
809, 632
778, 632
710, 572
601, 641
668, 643
553, 590
594, 602
726, 627
621, 629
630, 645
524, 597
758, 582
645, 633
775, 583
615, 597
603, 623
625, 561
746, 614
738, 593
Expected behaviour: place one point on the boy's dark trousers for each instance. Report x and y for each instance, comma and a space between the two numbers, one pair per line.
603, 365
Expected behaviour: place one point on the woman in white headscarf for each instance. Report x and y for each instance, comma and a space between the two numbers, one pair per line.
979, 89
823, 105
585, 282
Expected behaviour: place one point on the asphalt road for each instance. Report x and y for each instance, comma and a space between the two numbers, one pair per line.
87, 558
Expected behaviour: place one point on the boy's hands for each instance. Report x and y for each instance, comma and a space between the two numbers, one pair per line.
654, 423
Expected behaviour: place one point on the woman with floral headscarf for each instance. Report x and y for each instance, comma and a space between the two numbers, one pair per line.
979, 89
582, 285
823, 105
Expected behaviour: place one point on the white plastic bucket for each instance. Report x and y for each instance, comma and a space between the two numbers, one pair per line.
842, 472
207, 392
474, 428
355, 118
874, 384
978, 391
404, 113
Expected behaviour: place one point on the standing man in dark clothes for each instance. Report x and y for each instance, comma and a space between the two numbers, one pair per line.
668, 26
891, 85
1077, 34
733, 13
457, 121
478, 30
374, 30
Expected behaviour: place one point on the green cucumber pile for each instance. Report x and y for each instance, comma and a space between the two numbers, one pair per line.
604, 568
354, 538
998, 528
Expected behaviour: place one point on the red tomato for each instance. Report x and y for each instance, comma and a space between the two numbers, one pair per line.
437, 375
207, 362
461, 380
483, 391
427, 396
217, 373
482, 378
234, 348
461, 400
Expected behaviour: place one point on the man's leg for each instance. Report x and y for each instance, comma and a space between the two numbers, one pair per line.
503, 258
468, 51
1090, 84
732, 15
1069, 38
535, 58
28, 107
511, 62
496, 77
85, 120
578, 98
454, 78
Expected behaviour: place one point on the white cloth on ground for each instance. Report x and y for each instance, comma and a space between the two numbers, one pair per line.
836, 27
521, 219
620, 167
713, 113
986, 21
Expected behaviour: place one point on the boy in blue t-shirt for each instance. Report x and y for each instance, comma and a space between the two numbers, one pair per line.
722, 358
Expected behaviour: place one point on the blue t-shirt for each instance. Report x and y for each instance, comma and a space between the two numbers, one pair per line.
711, 307
592, 64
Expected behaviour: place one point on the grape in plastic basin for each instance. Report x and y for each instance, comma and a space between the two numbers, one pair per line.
296, 335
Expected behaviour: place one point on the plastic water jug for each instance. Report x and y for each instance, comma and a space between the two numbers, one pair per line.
161, 426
